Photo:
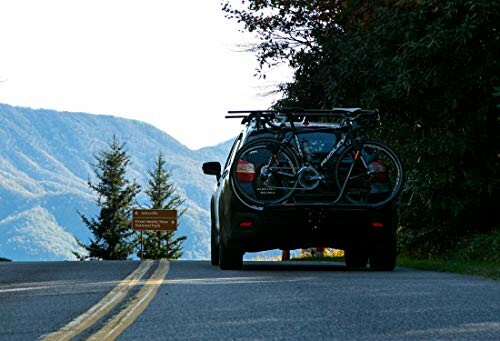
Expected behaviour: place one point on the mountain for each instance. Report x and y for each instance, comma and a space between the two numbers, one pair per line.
46, 159
35, 235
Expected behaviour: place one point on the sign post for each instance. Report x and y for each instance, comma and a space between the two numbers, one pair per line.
153, 220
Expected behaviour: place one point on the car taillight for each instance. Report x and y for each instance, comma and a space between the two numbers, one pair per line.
245, 171
377, 224
379, 171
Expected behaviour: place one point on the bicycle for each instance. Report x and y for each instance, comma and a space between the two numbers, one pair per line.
268, 171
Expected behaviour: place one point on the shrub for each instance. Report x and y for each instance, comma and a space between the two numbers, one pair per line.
480, 247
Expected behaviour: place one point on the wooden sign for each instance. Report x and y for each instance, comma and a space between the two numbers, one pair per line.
154, 220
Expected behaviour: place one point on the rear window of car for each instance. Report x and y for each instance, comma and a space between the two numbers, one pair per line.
319, 142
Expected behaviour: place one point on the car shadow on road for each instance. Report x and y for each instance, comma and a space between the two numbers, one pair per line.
298, 266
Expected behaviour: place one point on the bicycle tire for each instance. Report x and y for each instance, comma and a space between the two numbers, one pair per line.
377, 175
265, 188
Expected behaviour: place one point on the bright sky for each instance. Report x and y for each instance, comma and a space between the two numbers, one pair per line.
174, 64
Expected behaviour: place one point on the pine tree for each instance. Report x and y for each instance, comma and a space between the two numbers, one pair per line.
162, 195
111, 229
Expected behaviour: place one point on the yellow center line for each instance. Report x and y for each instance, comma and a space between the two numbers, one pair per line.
127, 316
100, 309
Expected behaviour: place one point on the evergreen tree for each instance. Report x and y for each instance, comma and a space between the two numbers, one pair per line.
162, 194
112, 228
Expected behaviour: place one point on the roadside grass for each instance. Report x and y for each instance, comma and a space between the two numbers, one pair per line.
466, 267
487, 269
478, 254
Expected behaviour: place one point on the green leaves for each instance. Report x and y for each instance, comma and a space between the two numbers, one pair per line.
286, 28
497, 94
433, 68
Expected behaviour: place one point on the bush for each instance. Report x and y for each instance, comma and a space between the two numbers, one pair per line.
480, 247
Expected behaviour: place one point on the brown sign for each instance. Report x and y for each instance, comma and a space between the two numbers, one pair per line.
154, 220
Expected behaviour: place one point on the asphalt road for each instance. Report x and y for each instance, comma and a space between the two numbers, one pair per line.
264, 301
37, 298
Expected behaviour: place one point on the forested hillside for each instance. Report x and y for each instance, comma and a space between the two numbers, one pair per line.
46, 159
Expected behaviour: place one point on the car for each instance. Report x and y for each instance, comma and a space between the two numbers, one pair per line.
307, 219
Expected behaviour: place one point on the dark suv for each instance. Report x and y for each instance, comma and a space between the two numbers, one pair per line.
309, 220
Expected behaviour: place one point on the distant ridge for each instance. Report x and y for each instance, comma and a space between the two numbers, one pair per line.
35, 235
46, 158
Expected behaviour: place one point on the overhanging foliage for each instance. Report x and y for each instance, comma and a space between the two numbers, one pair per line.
432, 68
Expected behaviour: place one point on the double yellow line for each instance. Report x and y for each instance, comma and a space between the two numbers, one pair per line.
116, 325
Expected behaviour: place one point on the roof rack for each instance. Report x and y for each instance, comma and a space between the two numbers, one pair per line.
296, 112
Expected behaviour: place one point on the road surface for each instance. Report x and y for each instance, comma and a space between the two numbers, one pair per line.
193, 300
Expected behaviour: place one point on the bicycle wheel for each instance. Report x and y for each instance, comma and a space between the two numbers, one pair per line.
372, 174
263, 173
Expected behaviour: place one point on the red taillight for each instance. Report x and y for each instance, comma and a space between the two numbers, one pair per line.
245, 171
377, 224
246, 224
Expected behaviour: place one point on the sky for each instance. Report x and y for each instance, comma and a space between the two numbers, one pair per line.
178, 65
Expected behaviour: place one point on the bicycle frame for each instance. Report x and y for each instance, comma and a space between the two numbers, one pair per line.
344, 141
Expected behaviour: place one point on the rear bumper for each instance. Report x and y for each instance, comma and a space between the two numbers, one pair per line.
303, 226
